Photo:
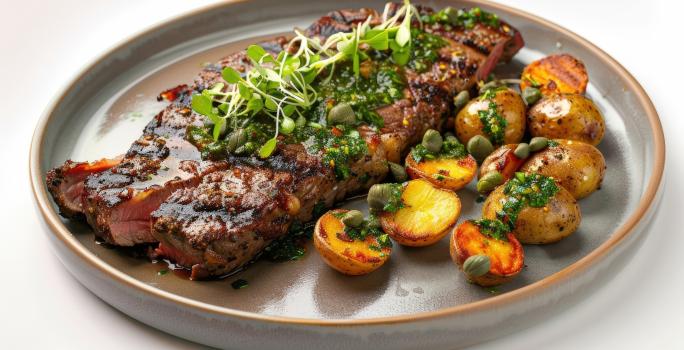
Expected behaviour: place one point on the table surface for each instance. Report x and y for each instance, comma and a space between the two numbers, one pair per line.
45, 44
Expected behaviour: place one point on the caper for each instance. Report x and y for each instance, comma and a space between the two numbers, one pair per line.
398, 171
479, 147
248, 147
236, 139
538, 143
451, 15
378, 196
432, 141
531, 95
477, 265
352, 218
461, 100
300, 122
489, 181
522, 151
342, 113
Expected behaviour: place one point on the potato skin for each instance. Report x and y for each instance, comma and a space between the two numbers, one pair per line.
428, 215
551, 223
577, 166
350, 258
502, 160
567, 116
507, 260
510, 106
437, 171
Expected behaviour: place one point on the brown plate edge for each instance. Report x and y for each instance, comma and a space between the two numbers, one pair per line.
53, 221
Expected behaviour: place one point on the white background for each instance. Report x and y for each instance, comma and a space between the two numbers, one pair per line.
43, 45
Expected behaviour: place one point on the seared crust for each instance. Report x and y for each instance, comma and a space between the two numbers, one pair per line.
227, 219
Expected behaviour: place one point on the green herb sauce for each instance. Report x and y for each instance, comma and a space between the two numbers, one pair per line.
494, 124
493, 228
292, 245
425, 50
369, 227
451, 149
462, 18
382, 84
532, 190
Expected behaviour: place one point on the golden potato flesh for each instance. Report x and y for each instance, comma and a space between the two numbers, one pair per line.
506, 256
449, 173
509, 105
559, 218
428, 214
554, 74
577, 166
346, 255
567, 116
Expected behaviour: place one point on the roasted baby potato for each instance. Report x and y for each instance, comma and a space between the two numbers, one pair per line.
567, 116
342, 252
449, 173
502, 160
556, 220
577, 166
556, 74
503, 252
509, 105
427, 214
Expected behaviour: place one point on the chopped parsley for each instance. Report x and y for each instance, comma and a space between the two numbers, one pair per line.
451, 149
395, 203
239, 284
425, 49
463, 18
493, 228
493, 123
532, 190
292, 245
369, 227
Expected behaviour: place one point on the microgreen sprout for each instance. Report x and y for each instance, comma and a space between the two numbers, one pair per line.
280, 87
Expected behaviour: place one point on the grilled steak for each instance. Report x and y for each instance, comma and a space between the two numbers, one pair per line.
117, 201
66, 182
226, 220
214, 216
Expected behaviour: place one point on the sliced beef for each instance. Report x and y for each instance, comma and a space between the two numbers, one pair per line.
226, 220
215, 216
184, 232
66, 183
118, 201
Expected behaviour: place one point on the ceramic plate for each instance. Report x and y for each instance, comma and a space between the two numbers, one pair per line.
418, 297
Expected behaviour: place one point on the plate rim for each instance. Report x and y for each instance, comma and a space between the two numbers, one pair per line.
646, 202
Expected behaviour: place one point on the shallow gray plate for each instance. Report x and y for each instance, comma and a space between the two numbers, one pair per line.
418, 297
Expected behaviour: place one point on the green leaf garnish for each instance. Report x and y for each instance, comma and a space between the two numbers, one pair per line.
267, 149
230, 75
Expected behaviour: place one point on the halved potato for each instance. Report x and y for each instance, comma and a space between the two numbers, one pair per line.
559, 218
506, 256
502, 160
449, 173
556, 74
428, 214
575, 165
339, 251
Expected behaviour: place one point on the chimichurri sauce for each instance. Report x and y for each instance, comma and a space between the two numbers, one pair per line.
380, 83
